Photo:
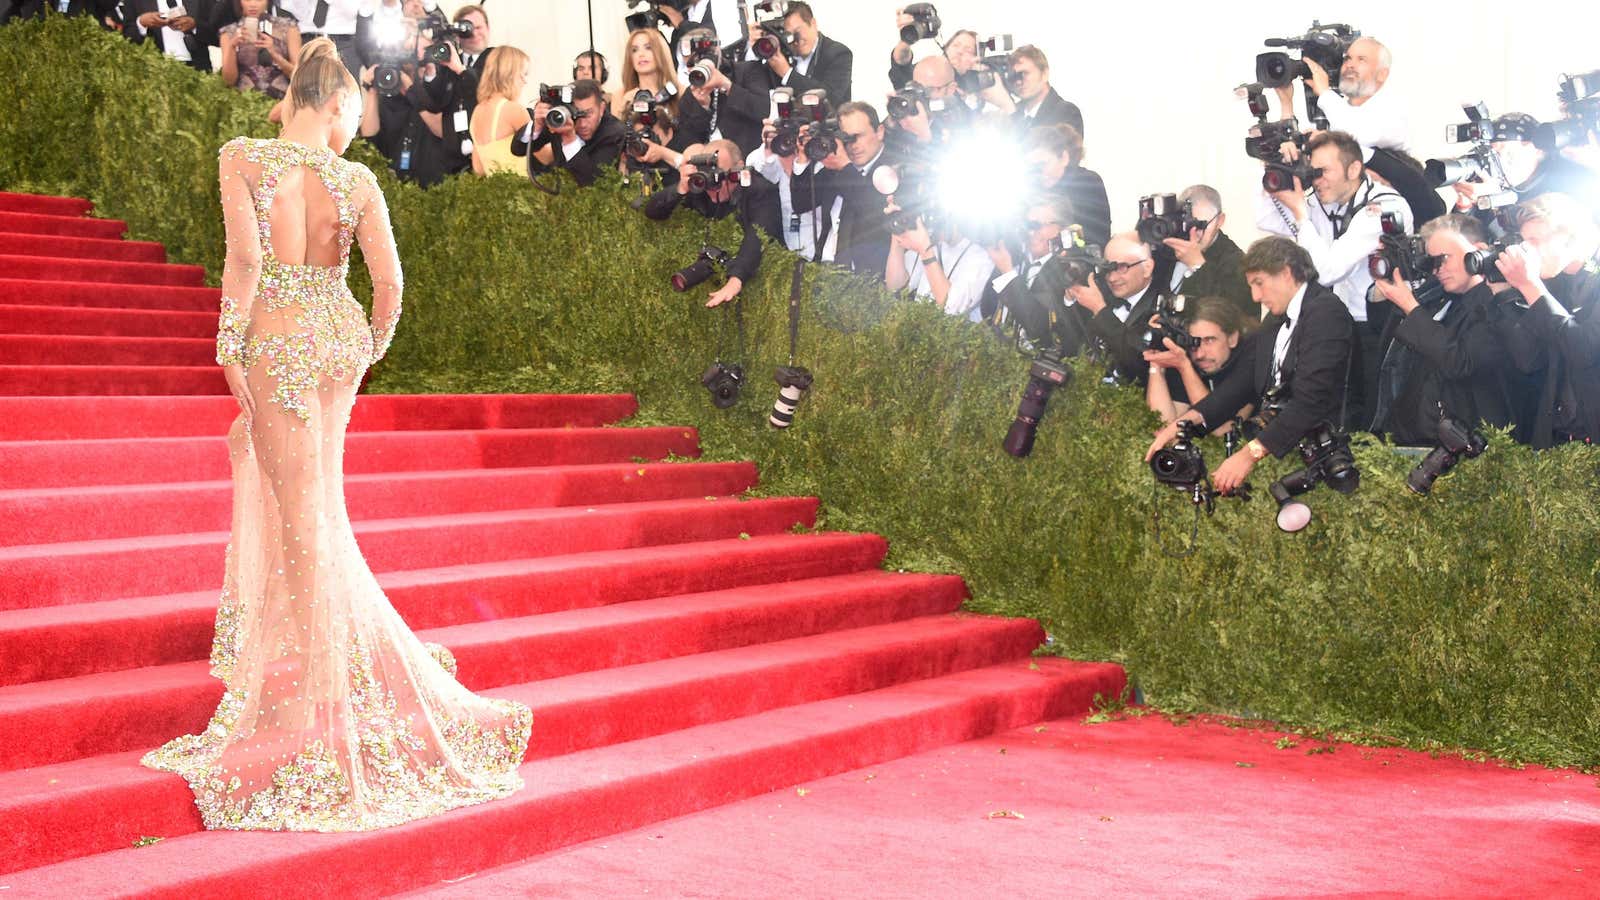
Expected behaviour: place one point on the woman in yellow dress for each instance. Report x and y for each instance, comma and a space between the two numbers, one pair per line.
501, 111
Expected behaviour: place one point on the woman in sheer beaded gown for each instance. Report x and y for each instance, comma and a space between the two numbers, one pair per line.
335, 717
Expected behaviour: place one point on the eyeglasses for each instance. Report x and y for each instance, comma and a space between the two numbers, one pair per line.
1121, 267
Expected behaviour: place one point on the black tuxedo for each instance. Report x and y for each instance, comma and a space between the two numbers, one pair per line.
863, 244
1086, 191
1561, 339
1315, 373
1053, 110
831, 63
1123, 342
1038, 310
1454, 365
1222, 276
204, 34
413, 152
455, 96
33, 9
598, 152
742, 107
752, 207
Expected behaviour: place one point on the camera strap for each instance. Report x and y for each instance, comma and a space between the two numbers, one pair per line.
794, 306
722, 331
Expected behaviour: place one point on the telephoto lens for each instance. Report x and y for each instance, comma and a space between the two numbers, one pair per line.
793, 382
693, 275
1455, 441
1046, 374
700, 73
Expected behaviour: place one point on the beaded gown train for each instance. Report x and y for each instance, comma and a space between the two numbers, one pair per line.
335, 716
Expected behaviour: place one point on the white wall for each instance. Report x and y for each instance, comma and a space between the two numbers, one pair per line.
1155, 79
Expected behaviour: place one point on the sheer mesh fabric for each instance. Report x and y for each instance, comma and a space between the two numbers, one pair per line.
336, 717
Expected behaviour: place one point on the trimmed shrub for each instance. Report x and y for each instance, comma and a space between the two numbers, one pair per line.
1468, 617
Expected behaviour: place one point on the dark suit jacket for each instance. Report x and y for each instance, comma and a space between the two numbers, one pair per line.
1052, 111
741, 109
1458, 364
863, 244
1038, 310
598, 152
1561, 340
1222, 276
33, 9
1123, 342
1315, 373
756, 206
204, 34
1086, 191
831, 63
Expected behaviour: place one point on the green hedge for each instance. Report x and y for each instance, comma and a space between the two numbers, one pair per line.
1467, 618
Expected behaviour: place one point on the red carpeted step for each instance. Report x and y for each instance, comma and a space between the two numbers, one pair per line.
52, 515
80, 350
85, 638
41, 380
70, 463
76, 248
37, 575
44, 268
32, 292
48, 320
567, 800
69, 226
42, 204
55, 418
683, 685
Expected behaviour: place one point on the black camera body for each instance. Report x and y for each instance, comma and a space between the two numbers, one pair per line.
643, 113
773, 40
1486, 262
1481, 163
723, 381
1456, 440
1170, 326
1581, 114
1399, 252
1044, 376
1161, 216
442, 33
703, 56
1265, 142
1181, 466
924, 25
791, 113
1327, 457
711, 260
1324, 44
1081, 262
559, 99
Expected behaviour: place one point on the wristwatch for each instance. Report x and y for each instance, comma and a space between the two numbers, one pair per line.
1257, 450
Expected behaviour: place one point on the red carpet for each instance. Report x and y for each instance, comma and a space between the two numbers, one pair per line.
683, 646
1134, 808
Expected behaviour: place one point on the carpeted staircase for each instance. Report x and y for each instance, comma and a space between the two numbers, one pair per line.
681, 645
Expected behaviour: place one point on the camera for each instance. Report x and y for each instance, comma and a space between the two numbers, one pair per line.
793, 382
1484, 262
1481, 163
1265, 142
709, 174
1170, 326
1455, 441
645, 15
790, 114
643, 113
993, 66
1581, 108
1161, 216
1324, 44
903, 104
1328, 459
824, 139
705, 265
1080, 262
442, 33
559, 99
1399, 252
723, 381
1181, 466
924, 23
1044, 376
774, 39
702, 54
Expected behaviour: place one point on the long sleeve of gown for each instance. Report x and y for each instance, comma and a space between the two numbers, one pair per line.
241, 268
376, 237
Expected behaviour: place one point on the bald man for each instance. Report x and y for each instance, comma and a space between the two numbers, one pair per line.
1120, 305
937, 78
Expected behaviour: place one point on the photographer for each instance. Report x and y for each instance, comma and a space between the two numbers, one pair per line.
590, 66
720, 17
845, 175
751, 207
1038, 104
734, 105
801, 230
1120, 325
814, 55
1029, 294
1302, 351
1338, 222
952, 271
1556, 327
1055, 153
182, 31
1445, 358
1208, 261
961, 51
337, 22
401, 127
1357, 108
590, 141
1178, 378
1532, 172
453, 85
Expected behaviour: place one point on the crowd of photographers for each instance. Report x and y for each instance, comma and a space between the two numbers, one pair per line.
1373, 304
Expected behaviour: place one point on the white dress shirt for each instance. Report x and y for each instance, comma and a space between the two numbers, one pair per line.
966, 266
1377, 122
804, 240
1280, 344
341, 15
1338, 240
